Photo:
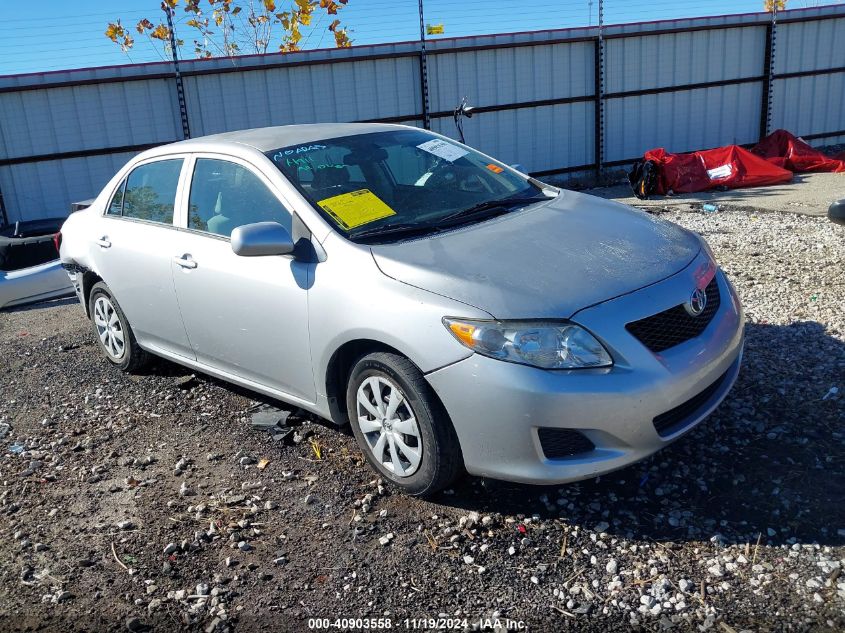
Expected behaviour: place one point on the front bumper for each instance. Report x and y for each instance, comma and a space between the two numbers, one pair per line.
498, 407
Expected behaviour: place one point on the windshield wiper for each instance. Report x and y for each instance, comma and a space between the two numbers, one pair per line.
491, 205
407, 229
395, 230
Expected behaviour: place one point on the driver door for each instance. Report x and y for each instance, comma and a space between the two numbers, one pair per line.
246, 316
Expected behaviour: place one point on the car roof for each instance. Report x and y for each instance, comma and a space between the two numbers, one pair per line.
265, 139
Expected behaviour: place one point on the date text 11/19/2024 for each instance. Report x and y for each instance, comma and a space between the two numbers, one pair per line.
417, 624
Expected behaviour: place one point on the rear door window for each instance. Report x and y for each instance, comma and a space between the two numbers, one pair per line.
151, 191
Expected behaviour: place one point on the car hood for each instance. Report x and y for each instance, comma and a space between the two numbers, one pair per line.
549, 260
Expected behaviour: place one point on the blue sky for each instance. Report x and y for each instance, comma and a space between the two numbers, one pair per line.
59, 34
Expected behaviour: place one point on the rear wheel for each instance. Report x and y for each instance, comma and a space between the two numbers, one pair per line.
113, 331
400, 425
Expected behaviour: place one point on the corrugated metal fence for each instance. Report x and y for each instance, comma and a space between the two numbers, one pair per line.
683, 84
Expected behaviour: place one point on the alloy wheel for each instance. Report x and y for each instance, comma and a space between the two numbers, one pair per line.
109, 328
389, 426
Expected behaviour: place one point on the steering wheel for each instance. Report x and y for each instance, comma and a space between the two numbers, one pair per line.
444, 175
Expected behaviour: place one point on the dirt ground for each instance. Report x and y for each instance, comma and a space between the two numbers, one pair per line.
144, 502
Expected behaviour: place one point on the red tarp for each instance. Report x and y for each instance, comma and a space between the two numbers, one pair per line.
770, 162
730, 166
788, 151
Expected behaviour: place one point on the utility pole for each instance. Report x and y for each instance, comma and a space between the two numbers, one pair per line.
180, 88
424, 71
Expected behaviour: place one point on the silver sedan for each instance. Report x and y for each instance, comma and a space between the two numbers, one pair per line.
459, 314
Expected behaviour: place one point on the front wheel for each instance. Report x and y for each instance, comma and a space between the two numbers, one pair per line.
113, 332
400, 425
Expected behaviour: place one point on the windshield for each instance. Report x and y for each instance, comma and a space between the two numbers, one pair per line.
386, 183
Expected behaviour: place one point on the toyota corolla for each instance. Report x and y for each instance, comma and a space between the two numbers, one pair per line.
457, 313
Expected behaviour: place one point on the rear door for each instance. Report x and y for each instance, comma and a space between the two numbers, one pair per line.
247, 316
133, 246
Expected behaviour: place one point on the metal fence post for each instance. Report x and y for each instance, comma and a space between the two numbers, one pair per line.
4, 218
599, 90
424, 71
180, 89
769, 75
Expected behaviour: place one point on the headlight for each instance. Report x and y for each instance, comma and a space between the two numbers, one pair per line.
540, 344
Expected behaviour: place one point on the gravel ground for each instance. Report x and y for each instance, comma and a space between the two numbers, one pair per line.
131, 502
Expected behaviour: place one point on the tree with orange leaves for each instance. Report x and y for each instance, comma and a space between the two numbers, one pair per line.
235, 27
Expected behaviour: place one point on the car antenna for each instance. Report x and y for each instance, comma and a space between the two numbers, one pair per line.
463, 110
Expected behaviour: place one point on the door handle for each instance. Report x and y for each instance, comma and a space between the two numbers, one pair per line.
185, 261
103, 242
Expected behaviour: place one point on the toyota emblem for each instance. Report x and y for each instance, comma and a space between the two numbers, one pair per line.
697, 302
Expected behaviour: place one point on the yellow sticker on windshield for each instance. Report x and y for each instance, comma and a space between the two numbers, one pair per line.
356, 208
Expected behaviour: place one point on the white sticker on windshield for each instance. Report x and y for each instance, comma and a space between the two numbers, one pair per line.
720, 172
443, 149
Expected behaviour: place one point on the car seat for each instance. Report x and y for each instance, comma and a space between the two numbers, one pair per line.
220, 223
330, 181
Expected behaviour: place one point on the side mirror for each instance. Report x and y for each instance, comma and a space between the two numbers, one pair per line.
836, 212
261, 238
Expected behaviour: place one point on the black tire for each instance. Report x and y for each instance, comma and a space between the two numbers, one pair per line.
441, 460
132, 356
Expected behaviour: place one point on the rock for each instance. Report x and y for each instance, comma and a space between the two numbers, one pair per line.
213, 625
384, 540
601, 527
716, 570
171, 548
469, 560
611, 567
34, 465
135, 625
202, 589
62, 596
185, 490
246, 460
125, 525
685, 585
244, 546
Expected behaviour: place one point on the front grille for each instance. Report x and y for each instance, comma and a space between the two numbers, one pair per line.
558, 443
675, 325
675, 419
